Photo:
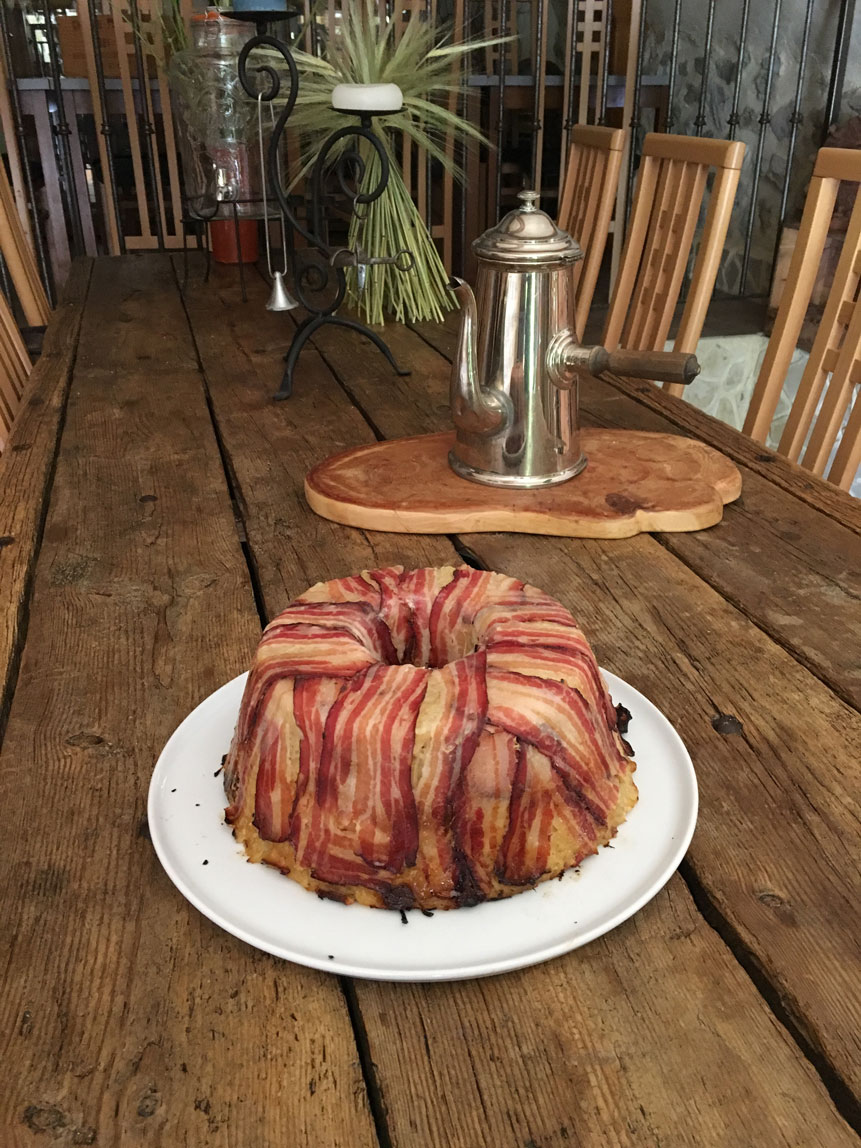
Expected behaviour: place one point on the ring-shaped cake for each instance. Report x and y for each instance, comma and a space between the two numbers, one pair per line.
432, 739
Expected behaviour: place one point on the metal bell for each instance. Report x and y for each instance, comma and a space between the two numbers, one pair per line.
280, 299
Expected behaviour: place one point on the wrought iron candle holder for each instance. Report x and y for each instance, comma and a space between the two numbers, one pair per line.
320, 268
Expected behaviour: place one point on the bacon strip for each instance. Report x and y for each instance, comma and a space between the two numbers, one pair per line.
277, 745
313, 698
537, 813
420, 589
574, 668
481, 805
354, 589
455, 608
357, 618
448, 727
364, 819
395, 610
328, 653
237, 765
557, 721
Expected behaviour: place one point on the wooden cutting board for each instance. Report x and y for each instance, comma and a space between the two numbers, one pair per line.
635, 481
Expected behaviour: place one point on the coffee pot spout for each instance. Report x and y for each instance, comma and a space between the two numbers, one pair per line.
474, 409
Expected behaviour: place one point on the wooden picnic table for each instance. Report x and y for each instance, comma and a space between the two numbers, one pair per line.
152, 519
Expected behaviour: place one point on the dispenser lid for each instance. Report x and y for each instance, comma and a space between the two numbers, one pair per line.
527, 236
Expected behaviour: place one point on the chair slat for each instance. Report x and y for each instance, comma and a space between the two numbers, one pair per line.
671, 185
828, 387
15, 369
848, 457
20, 259
631, 252
586, 204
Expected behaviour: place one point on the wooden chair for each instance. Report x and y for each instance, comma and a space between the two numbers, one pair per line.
837, 347
20, 260
15, 367
586, 204
671, 184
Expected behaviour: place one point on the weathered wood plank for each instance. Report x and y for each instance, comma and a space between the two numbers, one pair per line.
270, 446
767, 798
649, 1036
26, 467
127, 1017
796, 573
134, 318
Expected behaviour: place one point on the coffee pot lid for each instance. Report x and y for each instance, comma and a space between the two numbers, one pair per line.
527, 236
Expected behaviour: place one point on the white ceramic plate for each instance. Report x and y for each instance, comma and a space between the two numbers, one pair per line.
268, 910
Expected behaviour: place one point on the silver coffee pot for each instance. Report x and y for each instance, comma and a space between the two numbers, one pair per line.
514, 383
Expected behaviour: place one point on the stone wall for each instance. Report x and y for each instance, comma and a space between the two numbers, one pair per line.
721, 81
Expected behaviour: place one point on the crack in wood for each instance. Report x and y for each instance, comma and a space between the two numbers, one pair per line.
844, 1100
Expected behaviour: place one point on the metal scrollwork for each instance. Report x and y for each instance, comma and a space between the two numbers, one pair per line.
317, 265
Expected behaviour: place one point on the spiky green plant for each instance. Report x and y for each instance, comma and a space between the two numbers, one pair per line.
427, 68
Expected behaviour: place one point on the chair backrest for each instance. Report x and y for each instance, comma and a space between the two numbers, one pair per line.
671, 184
837, 347
19, 259
586, 204
15, 367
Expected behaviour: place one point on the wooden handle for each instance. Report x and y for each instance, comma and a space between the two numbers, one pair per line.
669, 366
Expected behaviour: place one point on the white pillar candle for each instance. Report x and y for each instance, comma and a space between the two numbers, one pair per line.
367, 98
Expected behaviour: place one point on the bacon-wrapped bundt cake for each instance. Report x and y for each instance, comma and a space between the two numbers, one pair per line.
433, 738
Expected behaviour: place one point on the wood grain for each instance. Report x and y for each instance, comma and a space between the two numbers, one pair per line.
649, 1036
795, 573
633, 482
128, 1018
26, 470
656, 623
270, 446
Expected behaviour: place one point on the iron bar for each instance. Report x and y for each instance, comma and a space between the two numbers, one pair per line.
464, 99
635, 110
601, 110
795, 119
63, 131
500, 126
538, 136
147, 128
674, 61
105, 128
571, 53
733, 120
18, 118
700, 120
4, 280
764, 121
838, 65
